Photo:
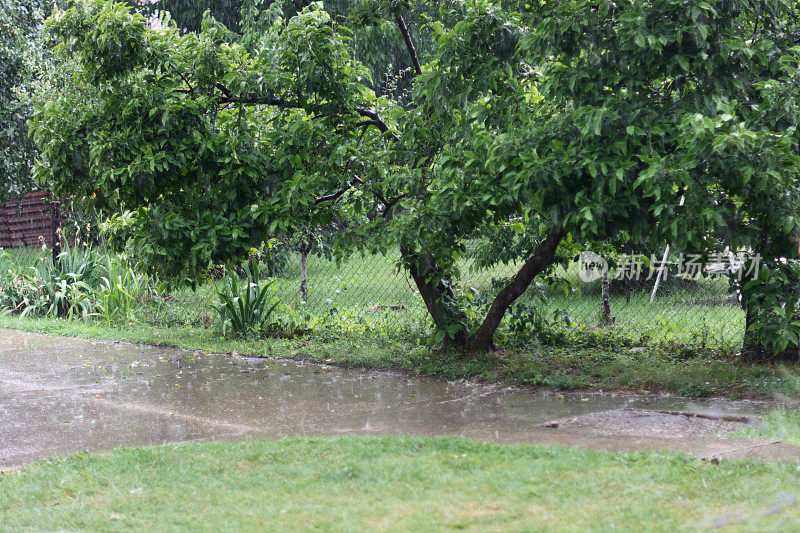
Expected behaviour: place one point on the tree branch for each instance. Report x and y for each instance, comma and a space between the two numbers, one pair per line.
224, 89
331, 197
261, 100
375, 193
377, 121
409, 43
363, 123
184, 78
371, 114
481, 341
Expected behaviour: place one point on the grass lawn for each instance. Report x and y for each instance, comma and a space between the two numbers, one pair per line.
391, 483
782, 423
590, 365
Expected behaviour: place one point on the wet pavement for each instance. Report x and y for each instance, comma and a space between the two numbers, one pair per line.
60, 395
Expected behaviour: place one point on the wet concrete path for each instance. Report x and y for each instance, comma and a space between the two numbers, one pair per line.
60, 395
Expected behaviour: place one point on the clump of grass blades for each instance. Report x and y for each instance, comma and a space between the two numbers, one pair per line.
118, 291
248, 309
60, 288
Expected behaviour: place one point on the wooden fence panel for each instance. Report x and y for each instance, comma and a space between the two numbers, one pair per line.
23, 221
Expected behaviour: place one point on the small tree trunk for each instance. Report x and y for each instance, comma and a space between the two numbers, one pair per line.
605, 312
483, 339
752, 349
252, 265
437, 293
56, 229
629, 280
304, 274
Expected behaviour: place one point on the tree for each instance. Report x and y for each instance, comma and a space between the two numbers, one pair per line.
20, 22
379, 45
575, 122
188, 14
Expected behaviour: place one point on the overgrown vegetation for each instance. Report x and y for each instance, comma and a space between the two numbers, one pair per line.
81, 282
782, 423
248, 309
368, 294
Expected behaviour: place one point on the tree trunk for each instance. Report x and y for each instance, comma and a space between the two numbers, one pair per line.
57, 233
752, 349
304, 274
483, 339
437, 293
252, 266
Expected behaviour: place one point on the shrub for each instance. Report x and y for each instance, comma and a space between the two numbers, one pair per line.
63, 288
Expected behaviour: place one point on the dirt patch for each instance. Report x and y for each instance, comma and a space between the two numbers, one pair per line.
645, 423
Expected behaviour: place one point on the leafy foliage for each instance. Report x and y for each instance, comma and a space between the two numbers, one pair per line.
118, 291
82, 282
574, 123
20, 23
379, 44
775, 293
63, 288
188, 14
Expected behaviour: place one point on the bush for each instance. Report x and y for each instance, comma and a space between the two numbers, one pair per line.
772, 302
81, 282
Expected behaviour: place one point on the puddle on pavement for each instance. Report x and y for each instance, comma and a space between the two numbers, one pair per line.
62, 395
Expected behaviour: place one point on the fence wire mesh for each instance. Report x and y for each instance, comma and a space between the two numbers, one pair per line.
700, 310
372, 289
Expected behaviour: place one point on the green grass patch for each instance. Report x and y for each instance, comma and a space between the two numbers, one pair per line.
390, 483
782, 423
595, 363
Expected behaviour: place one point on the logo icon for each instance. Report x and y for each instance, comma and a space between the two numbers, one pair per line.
591, 267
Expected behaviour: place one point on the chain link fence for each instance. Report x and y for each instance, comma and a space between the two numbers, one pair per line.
699, 310
649, 306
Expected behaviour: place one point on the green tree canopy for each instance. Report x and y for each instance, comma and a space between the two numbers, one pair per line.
662, 121
379, 43
20, 27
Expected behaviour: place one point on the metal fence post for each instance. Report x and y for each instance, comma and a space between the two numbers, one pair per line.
606, 300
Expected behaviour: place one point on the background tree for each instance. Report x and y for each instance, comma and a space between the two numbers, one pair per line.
379, 44
20, 27
188, 14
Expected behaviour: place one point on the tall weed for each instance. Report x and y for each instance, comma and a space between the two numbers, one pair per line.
118, 291
248, 309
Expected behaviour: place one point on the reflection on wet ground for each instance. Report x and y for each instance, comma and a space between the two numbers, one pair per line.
61, 395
